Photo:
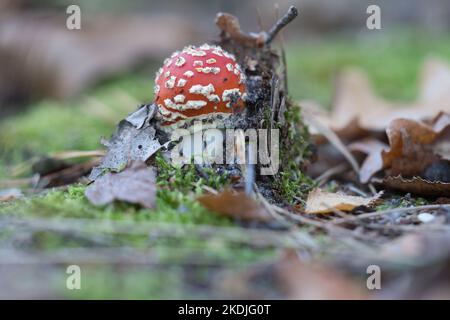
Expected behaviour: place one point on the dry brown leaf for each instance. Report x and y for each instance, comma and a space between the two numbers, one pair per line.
358, 112
236, 205
355, 98
320, 201
230, 24
374, 161
415, 149
67, 175
302, 281
135, 184
417, 185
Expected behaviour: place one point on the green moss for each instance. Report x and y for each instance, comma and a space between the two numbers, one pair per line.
187, 177
291, 183
392, 61
397, 201
172, 206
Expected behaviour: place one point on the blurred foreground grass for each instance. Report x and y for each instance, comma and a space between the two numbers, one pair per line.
392, 62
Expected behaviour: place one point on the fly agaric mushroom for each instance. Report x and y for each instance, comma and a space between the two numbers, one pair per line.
199, 83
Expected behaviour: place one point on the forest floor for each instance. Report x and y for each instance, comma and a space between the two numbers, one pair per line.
182, 250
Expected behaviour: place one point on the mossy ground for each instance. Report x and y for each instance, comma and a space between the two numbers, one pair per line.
392, 63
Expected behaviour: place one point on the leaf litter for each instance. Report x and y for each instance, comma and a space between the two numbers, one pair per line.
393, 139
136, 184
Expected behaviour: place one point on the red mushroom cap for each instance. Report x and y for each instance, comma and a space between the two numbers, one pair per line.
198, 82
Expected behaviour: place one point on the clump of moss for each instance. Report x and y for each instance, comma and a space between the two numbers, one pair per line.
397, 201
188, 176
291, 183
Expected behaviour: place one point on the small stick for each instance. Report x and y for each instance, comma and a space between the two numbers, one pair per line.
290, 15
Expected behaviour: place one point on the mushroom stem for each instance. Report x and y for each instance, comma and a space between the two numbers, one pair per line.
290, 15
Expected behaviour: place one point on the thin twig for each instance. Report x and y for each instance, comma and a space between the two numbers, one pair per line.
290, 15
323, 178
332, 137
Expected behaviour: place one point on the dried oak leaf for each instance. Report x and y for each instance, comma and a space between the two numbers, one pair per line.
374, 160
320, 201
415, 149
355, 98
235, 205
135, 184
357, 112
418, 185
134, 140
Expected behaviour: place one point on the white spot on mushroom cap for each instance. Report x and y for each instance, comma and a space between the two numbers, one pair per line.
156, 89
214, 70
229, 55
211, 61
181, 82
218, 51
171, 82
195, 104
205, 46
189, 73
229, 67
190, 104
227, 94
158, 74
180, 61
174, 54
213, 98
163, 110
179, 98
194, 52
203, 90
198, 63
167, 74
167, 62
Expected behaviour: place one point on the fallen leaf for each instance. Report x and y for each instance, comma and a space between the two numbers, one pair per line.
235, 205
134, 140
66, 176
320, 201
357, 112
312, 281
374, 160
415, 149
355, 99
135, 184
418, 185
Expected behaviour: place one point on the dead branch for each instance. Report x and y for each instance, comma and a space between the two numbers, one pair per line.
229, 24
290, 15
